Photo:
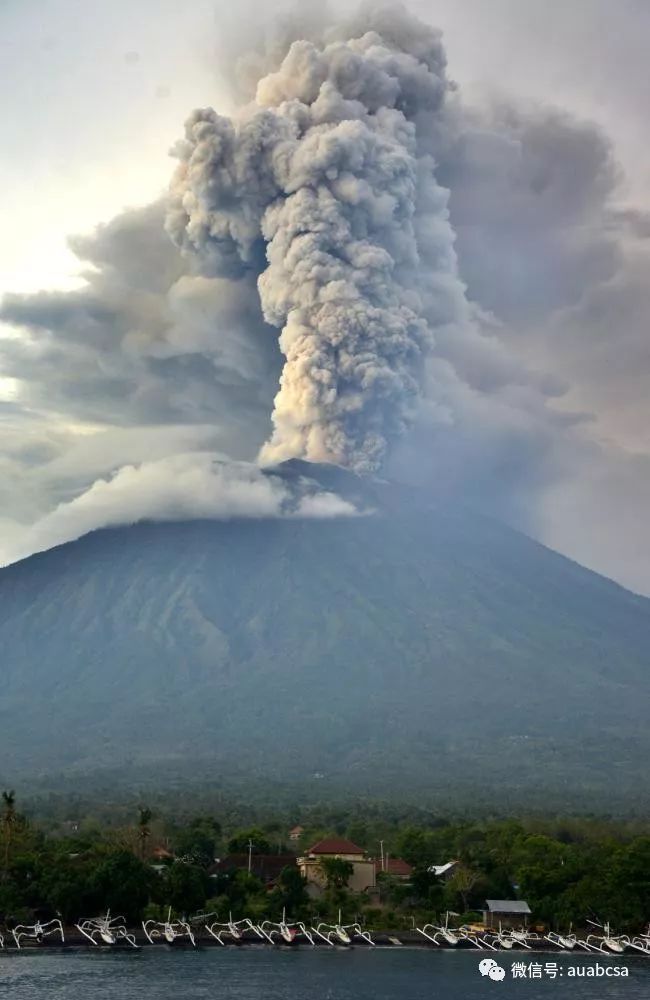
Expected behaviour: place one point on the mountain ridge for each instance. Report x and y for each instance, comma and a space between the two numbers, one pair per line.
412, 649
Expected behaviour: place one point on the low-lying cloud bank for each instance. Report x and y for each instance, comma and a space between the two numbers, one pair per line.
187, 486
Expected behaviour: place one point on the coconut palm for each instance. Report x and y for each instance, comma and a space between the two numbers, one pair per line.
144, 830
8, 824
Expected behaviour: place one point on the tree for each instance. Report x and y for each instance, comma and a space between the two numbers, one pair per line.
198, 841
122, 883
144, 830
292, 890
418, 847
67, 890
186, 887
427, 888
239, 844
358, 832
241, 888
460, 885
337, 872
8, 824
632, 871
542, 871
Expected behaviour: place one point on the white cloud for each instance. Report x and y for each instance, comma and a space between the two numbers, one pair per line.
179, 487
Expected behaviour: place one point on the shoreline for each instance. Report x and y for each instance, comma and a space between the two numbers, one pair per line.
383, 940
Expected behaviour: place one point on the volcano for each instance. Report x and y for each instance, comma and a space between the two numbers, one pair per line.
416, 649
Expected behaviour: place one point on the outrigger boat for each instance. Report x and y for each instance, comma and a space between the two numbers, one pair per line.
439, 933
641, 942
501, 940
168, 930
338, 933
606, 942
476, 941
38, 931
521, 938
282, 931
567, 942
234, 929
106, 930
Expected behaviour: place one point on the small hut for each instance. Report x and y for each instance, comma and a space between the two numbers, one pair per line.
509, 913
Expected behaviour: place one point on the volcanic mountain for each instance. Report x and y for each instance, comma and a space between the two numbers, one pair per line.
417, 649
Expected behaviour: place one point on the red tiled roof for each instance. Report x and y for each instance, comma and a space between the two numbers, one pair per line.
394, 866
335, 845
162, 853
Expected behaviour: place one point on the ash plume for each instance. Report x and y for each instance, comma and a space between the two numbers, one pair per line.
324, 188
312, 243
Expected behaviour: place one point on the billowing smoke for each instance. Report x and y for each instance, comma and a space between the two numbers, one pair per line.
317, 240
323, 187
199, 485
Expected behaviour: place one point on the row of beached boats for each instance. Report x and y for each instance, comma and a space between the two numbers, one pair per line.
602, 940
110, 930
273, 932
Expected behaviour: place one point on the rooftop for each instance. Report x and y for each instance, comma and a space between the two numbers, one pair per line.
507, 906
335, 845
442, 869
394, 866
266, 867
161, 853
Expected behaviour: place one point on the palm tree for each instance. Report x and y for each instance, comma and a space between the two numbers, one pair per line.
462, 883
8, 824
144, 830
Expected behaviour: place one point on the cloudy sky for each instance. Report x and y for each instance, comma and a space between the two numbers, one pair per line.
123, 368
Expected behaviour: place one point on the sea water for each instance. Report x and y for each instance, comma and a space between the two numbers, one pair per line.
162, 973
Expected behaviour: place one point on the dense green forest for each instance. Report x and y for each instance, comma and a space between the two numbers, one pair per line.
73, 860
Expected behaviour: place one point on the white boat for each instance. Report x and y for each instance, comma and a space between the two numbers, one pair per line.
442, 933
523, 938
606, 942
36, 932
232, 929
290, 933
567, 942
109, 930
502, 939
168, 930
640, 943
340, 933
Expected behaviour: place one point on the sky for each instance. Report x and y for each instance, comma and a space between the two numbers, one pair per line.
538, 412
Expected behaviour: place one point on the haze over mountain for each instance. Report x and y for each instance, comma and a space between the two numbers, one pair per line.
415, 649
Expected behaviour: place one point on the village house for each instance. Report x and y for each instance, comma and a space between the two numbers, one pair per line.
363, 868
161, 855
266, 867
394, 867
506, 913
296, 833
444, 872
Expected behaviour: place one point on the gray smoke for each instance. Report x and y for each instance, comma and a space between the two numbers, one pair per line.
322, 206
324, 187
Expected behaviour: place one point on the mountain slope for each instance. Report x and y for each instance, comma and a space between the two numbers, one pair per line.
411, 649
